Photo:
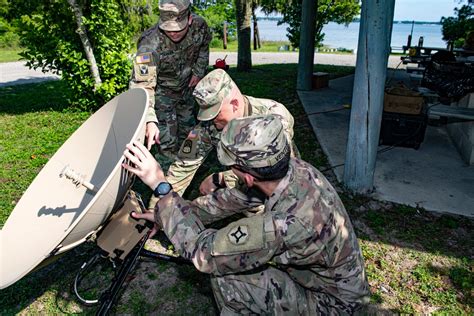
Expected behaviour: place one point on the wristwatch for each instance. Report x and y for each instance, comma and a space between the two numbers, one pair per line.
162, 189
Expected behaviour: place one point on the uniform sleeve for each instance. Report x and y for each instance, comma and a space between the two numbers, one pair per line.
144, 73
240, 246
226, 202
194, 150
202, 63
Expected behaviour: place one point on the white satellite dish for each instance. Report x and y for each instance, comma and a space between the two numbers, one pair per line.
76, 190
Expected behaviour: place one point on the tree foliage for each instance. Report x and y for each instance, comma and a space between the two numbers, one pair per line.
339, 11
48, 33
216, 12
8, 35
455, 29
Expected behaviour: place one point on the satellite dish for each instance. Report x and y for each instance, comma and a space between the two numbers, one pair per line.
76, 190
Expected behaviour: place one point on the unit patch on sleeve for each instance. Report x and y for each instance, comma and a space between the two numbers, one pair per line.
143, 70
238, 235
189, 148
244, 235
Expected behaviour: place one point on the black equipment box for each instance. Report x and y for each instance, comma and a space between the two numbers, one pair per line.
404, 130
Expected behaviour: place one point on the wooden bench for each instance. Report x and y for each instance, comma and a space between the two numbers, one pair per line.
452, 111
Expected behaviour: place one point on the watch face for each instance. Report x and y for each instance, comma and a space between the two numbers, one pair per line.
162, 189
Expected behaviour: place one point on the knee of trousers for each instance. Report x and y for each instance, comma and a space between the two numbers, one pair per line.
266, 290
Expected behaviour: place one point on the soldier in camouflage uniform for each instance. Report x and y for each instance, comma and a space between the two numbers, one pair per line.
299, 256
172, 57
220, 100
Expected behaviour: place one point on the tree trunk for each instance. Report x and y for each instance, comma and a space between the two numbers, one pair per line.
256, 33
243, 9
85, 42
224, 38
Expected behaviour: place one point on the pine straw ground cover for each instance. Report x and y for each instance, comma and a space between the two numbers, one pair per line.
417, 262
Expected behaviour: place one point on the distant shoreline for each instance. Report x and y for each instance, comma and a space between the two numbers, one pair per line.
356, 20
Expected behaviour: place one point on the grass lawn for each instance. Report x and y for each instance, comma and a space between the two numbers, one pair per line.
417, 262
7, 55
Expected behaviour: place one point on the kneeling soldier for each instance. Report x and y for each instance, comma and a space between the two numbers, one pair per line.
299, 256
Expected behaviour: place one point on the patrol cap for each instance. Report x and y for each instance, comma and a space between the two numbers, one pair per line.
173, 14
210, 92
253, 142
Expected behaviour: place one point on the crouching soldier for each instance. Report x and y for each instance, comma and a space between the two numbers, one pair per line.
299, 256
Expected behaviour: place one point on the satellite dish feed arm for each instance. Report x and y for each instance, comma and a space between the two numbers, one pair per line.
77, 178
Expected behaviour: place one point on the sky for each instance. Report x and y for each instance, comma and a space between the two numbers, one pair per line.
424, 10
421, 10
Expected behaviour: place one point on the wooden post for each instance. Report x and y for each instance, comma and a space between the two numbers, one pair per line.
306, 54
367, 96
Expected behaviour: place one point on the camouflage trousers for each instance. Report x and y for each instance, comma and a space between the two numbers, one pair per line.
176, 118
270, 291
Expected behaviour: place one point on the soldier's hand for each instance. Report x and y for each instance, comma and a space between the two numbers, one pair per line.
207, 186
194, 81
144, 165
152, 134
149, 215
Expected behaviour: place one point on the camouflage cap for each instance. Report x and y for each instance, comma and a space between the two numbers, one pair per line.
253, 142
210, 92
173, 14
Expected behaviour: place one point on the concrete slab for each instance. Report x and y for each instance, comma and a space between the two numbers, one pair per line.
433, 177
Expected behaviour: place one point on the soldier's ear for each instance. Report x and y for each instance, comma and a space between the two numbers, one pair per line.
190, 19
249, 179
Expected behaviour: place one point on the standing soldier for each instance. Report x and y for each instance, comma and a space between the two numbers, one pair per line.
300, 256
220, 101
172, 57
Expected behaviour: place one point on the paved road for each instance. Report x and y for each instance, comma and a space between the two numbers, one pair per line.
17, 73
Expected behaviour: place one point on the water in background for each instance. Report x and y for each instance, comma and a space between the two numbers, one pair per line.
346, 37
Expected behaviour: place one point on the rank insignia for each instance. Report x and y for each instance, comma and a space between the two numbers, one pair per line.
238, 235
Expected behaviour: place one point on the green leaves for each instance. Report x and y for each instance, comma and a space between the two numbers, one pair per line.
456, 29
49, 35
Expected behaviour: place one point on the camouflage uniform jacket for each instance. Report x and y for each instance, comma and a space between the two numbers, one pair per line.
162, 64
205, 137
303, 230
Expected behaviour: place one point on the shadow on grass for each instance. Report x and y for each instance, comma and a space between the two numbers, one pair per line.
54, 279
34, 97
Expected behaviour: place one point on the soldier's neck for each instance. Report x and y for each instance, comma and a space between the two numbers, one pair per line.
267, 187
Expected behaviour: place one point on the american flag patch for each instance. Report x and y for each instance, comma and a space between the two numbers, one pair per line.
143, 58
192, 134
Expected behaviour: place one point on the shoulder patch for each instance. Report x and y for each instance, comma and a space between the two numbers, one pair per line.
244, 235
144, 58
189, 147
238, 235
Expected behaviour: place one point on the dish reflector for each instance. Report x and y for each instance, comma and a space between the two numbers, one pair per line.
76, 190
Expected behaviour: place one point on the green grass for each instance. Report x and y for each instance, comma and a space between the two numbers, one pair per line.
266, 46
9, 54
34, 122
417, 262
